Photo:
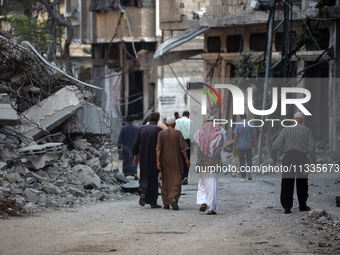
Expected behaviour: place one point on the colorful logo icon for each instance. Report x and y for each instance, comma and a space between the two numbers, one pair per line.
209, 93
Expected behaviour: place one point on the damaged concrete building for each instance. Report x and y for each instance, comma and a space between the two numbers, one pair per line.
116, 32
124, 36
235, 26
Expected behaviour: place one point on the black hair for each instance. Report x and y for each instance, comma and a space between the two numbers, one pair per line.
129, 118
243, 116
154, 116
186, 113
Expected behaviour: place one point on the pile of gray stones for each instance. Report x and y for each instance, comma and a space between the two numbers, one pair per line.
73, 178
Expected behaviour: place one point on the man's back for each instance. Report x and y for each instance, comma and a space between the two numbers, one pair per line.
295, 138
245, 133
183, 125
129, 133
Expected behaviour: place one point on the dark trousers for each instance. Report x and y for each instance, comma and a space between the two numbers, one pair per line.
185, 168
294, 158
245, 156
148, 185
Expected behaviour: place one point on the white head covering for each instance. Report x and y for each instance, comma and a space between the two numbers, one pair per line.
299, 115
170, 120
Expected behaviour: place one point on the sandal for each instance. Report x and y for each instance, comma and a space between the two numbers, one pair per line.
185, 181
307, 208
212, 213
203, 208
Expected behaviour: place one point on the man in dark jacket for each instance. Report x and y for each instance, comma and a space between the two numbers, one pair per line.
126, 139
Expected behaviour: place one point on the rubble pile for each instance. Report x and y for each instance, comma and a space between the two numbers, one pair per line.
24, 76
76, 177
54, 143
324, 232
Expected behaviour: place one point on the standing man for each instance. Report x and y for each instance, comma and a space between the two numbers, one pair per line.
126, 139
244, 138
170, 146
183, 125
144, 150
176, 115
296, 142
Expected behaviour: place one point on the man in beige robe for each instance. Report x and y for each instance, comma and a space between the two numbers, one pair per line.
170, 145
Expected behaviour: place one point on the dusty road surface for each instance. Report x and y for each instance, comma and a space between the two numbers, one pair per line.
249, 221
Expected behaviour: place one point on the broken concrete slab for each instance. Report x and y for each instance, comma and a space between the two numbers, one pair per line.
87, 177
90, 119
38, 156
51, 112
8, 116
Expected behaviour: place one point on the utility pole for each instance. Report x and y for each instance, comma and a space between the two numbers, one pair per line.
268, 67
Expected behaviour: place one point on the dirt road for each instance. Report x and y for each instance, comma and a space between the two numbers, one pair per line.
249, 221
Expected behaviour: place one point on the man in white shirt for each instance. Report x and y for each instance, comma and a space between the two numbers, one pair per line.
183, 125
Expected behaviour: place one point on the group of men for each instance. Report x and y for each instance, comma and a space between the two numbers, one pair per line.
167, 150
158, 148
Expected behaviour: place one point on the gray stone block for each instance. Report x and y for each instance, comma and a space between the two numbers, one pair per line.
95, 164
121, 178
87, 177
3, 165
76, 191
6, 192
8, 116
98, 195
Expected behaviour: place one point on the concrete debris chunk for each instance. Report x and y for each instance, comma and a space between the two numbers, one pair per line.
38, 156
87, 177
317, 213
94, 163
98, 195
51, 112
8, 116
3, 165
76, 191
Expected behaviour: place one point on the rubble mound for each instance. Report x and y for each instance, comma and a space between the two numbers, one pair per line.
55, 144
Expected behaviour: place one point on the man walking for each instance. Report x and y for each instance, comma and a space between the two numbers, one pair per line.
296, 142
170, 148
183, 125
244, 138
126, 139
144, 150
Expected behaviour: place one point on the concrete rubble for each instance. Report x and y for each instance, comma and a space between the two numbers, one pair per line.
55, 147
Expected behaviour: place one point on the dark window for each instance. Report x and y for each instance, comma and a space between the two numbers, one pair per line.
279, 40
322, 39
214, 44
234, 43
257, 42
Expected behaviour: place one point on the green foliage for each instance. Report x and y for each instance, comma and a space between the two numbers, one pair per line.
251, 72
30, 29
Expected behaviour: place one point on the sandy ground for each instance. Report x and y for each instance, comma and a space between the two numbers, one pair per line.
250, 220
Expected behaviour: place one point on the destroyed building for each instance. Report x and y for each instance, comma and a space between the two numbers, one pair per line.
54, 142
